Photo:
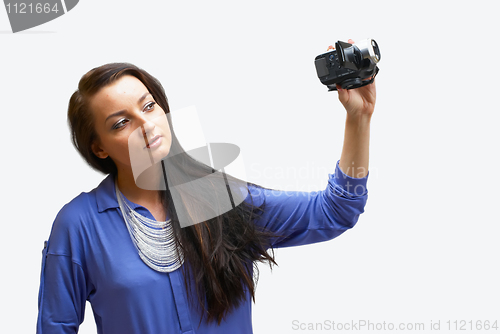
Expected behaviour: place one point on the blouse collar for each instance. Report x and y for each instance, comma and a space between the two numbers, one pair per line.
106, 195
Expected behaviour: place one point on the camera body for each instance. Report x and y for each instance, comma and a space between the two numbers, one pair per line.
349, 65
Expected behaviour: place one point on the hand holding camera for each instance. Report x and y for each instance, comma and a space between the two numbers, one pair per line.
350, 68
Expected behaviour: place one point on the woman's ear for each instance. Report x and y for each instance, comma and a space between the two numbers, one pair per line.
98, 151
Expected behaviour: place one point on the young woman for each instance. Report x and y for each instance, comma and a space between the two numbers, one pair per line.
142, 249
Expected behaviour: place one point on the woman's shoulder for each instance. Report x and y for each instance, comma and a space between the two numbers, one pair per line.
87, 202
76, 218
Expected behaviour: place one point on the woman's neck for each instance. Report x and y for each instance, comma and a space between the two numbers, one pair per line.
143, 192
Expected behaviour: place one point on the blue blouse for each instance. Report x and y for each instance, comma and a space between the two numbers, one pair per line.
90, 256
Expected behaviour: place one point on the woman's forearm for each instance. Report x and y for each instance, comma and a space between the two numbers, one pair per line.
355, 151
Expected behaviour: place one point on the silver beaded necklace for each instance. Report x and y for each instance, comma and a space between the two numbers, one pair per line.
153, 240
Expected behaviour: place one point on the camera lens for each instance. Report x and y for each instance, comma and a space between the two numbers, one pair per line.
376, 50
369, 49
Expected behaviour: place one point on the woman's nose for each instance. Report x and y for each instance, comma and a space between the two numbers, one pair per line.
146, 123
147, 126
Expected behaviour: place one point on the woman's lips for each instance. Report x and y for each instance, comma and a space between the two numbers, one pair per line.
154, 142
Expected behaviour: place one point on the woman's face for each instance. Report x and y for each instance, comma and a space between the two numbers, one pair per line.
129, 123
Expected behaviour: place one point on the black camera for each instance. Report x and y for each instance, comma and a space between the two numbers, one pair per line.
349, 65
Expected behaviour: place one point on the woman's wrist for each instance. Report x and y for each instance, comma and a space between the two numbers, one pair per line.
361, 120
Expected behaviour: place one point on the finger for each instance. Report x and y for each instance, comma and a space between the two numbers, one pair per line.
331, 47
343, 94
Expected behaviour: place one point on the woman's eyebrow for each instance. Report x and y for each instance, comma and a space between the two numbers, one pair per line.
121, 112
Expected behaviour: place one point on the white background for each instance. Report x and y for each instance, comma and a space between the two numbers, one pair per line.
426, 248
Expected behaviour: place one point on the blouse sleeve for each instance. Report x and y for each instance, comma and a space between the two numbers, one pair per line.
61, 301
300, 218
63, 284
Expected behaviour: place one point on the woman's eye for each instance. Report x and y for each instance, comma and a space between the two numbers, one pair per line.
150, 106
119, 124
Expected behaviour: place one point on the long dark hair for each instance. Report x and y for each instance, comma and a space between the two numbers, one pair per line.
220, 253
